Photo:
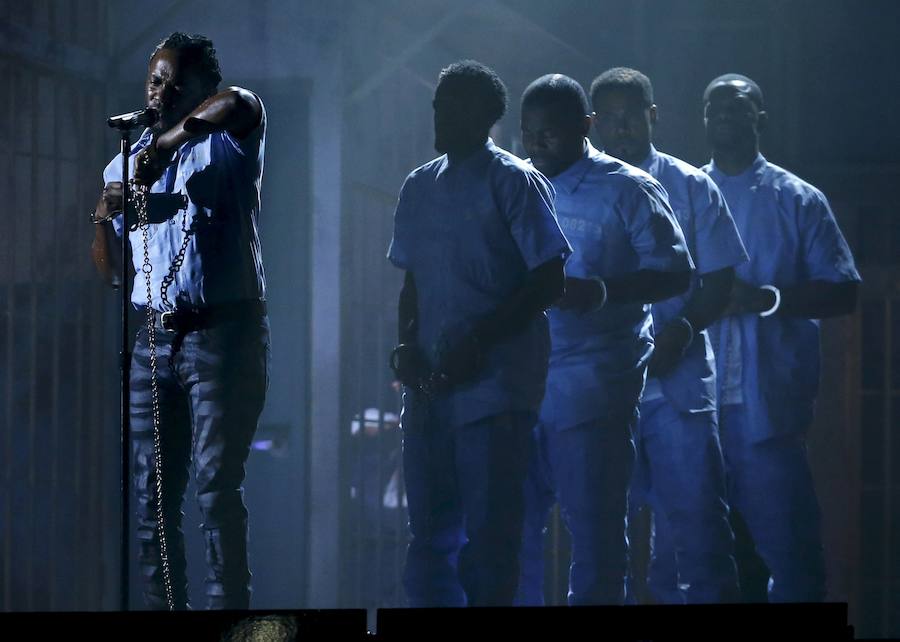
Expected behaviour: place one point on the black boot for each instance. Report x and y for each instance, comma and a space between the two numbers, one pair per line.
225, 532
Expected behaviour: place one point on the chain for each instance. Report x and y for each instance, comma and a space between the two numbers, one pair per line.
169, 278
140, 202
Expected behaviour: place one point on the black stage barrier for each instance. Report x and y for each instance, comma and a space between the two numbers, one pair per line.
720, 622
188, 626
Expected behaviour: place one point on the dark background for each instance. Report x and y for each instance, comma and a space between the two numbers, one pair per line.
348, 86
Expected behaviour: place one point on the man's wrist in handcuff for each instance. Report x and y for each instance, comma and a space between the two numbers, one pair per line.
776, 294
687, 327
603, 295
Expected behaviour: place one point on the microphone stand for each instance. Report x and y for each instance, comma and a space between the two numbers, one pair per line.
125, 123
125, 368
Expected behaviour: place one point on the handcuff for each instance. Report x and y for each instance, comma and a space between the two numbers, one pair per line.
683, 322
428, 385
776, 305
603, 297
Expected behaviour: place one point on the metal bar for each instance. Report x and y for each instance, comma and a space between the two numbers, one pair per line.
58, 320
9, 108
101, 411
384, 470
359, 540
125, 370
32, 402
401, 525
79, 365
79, 387
379, 489
77, 422
887, 491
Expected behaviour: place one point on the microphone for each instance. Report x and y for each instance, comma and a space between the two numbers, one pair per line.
134, 119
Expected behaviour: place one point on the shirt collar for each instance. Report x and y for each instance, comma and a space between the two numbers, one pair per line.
473, 159
143, 141
751, 174
569, 179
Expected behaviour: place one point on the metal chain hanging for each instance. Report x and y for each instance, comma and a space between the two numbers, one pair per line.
143, 222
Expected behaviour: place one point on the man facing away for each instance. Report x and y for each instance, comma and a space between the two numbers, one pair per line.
628, 251
483, 256
207, 306
679, 469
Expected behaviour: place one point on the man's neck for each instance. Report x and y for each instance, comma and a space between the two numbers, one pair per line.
735, 161
461, 154
640, 158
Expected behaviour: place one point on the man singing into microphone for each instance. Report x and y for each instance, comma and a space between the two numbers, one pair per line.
206, 295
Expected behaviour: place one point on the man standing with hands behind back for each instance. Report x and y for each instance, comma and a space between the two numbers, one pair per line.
483, 256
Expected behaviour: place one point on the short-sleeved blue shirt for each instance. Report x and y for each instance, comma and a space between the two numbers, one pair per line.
792, 237
221, 177
714, 243
618, 220
470, 231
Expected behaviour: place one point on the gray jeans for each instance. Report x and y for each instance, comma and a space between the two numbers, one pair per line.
212, 387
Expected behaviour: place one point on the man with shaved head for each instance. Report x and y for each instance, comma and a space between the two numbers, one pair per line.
767, 342
628, 252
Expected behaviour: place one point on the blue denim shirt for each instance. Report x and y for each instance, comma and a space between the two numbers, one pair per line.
792, 236
714, 244
221, 178
470, 231
618, 220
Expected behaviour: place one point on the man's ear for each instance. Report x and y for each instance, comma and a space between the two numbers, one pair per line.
654, 115
587, 123
762, 120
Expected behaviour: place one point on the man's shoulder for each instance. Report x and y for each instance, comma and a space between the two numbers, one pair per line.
787, 185
787, 180
696, 179
507, 170
606, 170
509, 163
426, 169
677, 166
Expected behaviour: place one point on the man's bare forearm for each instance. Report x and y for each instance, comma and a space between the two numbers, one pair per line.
709, 299
542, 288
104, 255
646, 286
234, 110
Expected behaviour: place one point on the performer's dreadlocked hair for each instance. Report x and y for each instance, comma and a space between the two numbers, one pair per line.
197, 51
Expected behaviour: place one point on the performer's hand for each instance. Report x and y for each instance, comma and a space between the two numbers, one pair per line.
459, 362
110, 201
748, 299
671, 344
149, 165
408, 364
581, 295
